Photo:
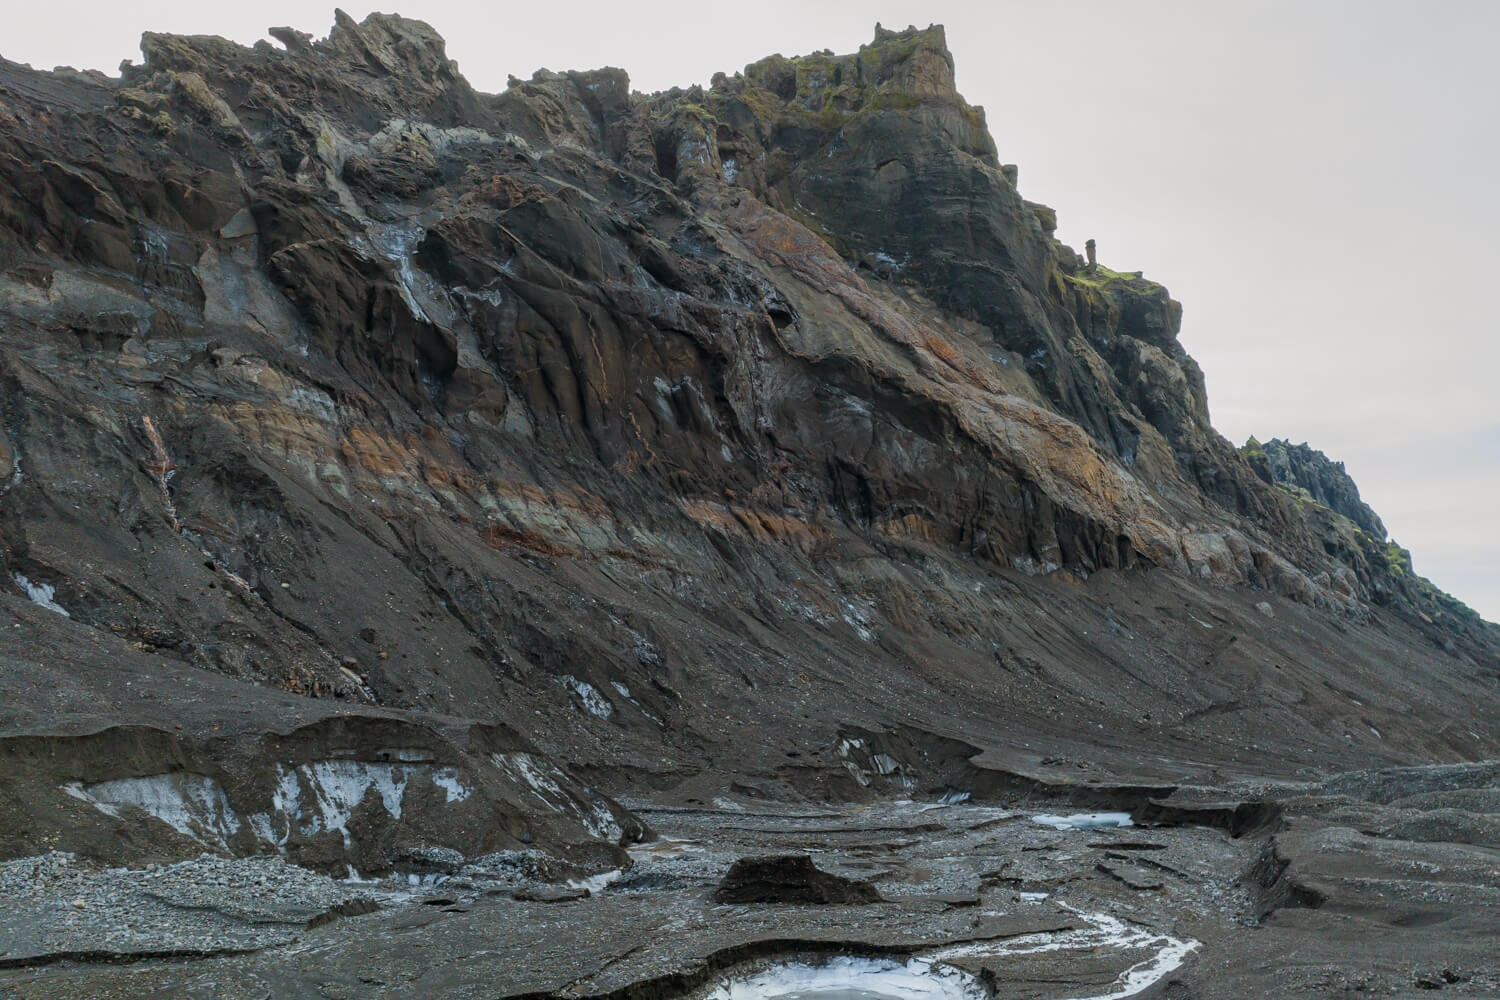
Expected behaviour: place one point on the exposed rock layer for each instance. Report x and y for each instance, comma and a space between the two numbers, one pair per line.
760, 436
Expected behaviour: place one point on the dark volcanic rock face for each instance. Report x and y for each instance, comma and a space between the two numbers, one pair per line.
1313, 474
759, 438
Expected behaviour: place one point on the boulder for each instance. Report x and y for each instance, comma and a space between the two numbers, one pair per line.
789, 878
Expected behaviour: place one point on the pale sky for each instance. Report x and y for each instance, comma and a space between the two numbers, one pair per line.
1318, 181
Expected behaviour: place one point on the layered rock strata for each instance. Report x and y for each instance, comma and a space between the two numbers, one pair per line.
760, 435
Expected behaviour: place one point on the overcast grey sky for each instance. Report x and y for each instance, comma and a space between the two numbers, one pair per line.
1317, 180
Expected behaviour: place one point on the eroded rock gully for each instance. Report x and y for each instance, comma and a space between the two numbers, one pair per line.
401, 477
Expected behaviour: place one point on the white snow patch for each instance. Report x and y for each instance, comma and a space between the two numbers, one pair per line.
447, 779
41, 593
1083, 821
339, 786
1033, 897
593, 701
953, 798
914, 979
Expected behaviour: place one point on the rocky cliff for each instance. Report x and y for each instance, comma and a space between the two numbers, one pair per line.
1312, 475
496, 452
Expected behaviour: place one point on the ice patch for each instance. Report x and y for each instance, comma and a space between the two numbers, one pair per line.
309, 799
953, 798
596, 884
191, 804
1033, 897
447, 779
339, 786
41, 593
914, 979
593, 702
1083, 821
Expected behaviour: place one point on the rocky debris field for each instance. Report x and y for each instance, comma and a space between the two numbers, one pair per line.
1381, 883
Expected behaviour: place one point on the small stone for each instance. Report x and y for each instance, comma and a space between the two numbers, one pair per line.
549, 894
1264, 607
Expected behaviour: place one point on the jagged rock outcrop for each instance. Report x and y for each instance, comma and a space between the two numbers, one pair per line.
1310, 473
626, 420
